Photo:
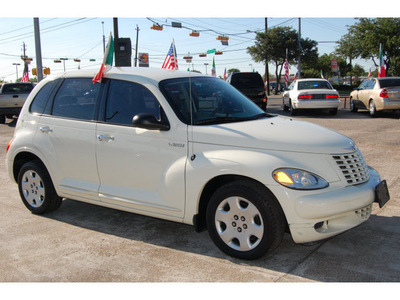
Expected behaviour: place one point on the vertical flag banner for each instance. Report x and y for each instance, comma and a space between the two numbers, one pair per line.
382, 70
213, 71
171, 60
322, 75
25, 75
286, 66
369, 73
225, 74
107, 60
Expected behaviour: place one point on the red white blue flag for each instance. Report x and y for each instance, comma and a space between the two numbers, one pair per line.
171, 60
286, 66
25, 75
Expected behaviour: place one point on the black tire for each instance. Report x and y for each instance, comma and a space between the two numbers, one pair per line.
245, 220
353, 107
2, 119
372, 109
285, 108
293, 111
333, 111
36, 188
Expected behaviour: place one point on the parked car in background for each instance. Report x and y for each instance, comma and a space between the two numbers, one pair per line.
376, 94
192, 149
12, 98
314, 93
251, 85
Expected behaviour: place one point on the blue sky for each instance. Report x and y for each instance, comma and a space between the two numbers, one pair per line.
79, 34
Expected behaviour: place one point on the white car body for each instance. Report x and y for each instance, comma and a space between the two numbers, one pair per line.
165, 174
297, 97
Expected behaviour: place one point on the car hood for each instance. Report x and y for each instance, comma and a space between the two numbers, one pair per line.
275, 133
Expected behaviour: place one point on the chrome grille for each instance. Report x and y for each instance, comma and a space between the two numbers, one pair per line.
353, 167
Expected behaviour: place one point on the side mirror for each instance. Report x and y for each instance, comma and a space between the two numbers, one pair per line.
150, 122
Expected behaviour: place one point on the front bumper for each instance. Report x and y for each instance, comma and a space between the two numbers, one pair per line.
323, 214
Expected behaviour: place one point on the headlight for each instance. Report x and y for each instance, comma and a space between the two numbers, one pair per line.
299, 179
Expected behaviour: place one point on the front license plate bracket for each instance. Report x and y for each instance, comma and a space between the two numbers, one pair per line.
382, 193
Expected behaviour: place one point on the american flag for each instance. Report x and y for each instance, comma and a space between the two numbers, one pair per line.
171, 61
25, 76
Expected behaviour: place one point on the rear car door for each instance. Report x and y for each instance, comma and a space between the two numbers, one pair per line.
66, 137
139, 169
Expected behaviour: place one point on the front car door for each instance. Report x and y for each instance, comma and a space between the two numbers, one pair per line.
140, 170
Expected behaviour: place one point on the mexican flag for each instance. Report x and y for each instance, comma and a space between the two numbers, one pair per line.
107, 60
213, 71
382, 70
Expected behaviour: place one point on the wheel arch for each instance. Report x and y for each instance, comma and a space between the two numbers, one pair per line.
199, 220
22, 158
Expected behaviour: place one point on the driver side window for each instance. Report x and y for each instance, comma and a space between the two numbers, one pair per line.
127, 99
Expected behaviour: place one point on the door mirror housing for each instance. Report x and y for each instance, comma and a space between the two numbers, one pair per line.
150, 122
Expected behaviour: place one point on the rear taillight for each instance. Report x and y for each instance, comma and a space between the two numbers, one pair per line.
305, 97
384, 94
332, 96
9, 145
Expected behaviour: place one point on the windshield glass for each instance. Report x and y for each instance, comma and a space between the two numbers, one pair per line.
213, 101
314, 85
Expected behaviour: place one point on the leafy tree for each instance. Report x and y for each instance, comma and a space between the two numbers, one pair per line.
233, 70
364, 37
271, 47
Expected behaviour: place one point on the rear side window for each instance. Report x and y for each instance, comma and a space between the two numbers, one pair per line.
76, 99
126, 100
39, 103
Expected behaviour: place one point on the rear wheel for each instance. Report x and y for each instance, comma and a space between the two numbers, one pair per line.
2, 119
245, 220
293, 111
372, 109
36, 188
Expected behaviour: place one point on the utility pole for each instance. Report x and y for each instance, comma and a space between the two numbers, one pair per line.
104, 39
266, 63
38, 49
137, 42
116, 36
299, 66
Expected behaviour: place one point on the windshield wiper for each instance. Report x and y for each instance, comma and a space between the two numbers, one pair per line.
219, 120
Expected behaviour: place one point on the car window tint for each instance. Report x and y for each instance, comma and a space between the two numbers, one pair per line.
41, 97
126, 100
76, 99
389, 82
20, 88
313, 85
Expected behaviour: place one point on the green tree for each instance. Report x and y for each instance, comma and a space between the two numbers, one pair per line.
271, 47
364, 37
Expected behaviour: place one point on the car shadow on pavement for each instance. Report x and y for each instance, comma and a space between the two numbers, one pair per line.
368, 253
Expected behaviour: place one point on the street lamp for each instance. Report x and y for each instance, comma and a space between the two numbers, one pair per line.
16, 69
206, 64
64, 59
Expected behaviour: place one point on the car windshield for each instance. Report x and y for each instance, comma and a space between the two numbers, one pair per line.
23, 88
389, 82
213, 101
314, 85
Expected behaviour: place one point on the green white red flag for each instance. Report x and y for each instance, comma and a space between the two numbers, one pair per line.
107, 60
213, 71
382, 70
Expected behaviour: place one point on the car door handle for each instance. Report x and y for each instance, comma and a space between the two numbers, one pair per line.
46, 129
105, 138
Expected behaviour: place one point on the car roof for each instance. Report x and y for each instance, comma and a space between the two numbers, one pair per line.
313, 79
145, 74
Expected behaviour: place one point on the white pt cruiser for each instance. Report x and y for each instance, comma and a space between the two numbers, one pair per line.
188, 148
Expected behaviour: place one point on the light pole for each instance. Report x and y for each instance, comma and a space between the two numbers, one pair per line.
64, 59
206, 64
16, 69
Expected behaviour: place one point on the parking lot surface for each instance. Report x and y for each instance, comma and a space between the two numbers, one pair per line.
86, 243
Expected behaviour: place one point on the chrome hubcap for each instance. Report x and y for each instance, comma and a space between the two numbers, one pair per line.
239, 223
32, 188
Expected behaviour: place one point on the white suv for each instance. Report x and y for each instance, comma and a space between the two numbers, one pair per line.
188, 148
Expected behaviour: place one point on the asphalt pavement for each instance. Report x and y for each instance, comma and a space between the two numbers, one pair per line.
86, 243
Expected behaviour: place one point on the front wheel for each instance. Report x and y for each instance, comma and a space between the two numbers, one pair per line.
36, 188
372, 109
245, 220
